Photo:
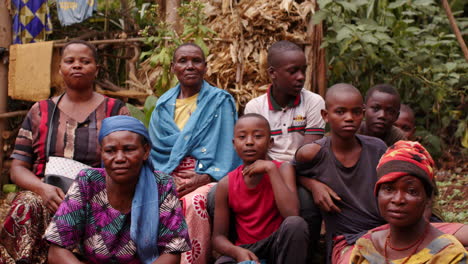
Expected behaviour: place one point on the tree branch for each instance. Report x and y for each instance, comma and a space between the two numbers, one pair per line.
455, 28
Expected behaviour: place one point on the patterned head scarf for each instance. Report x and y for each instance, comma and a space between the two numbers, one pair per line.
145, 205
406, 158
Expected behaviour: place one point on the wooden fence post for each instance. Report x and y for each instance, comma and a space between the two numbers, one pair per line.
5, 41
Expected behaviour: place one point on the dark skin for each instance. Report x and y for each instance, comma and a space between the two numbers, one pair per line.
402, 204
123, 154
78, 69
382, 110
251, 141
344, 113
288, 77
189, 66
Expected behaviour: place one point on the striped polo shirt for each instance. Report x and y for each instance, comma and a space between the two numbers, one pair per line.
290, 124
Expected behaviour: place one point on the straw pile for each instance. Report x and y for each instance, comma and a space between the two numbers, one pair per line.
240, 66
245, 30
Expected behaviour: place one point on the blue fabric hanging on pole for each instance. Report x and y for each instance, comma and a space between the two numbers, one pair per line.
75, 11
31, 21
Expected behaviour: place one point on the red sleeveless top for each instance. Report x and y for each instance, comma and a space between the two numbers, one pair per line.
255, 211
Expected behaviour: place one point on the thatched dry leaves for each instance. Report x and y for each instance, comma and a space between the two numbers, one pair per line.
240, 66
245, 29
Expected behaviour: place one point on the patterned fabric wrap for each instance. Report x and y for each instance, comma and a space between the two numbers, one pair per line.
21, 235
145, 216
443, 249
206, 136
75, 11
405, 158
31, 21
87, 220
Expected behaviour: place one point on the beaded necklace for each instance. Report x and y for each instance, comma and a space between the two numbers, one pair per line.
417, 243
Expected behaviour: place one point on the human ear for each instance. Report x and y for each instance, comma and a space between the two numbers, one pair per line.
172, 67
146, 149
270, 144
271, 72
324, 114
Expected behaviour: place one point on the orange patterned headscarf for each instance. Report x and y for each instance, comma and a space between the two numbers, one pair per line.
405, 158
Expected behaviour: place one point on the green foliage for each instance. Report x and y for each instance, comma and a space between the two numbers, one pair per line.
408, 44
162, 40
145, 114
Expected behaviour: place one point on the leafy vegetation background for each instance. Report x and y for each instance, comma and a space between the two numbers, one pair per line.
410, 45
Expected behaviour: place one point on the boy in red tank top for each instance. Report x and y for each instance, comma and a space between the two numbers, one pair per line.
261, 196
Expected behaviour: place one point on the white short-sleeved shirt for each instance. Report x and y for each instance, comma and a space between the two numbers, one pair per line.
289, 124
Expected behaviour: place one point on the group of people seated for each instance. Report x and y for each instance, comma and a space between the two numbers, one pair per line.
201, 182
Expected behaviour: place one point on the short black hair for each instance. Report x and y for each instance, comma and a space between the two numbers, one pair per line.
279, 48
255, 115
383, 88
406, 108
339, 88
82, 42
185, 45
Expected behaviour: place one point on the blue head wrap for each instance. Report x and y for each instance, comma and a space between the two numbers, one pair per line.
145, 204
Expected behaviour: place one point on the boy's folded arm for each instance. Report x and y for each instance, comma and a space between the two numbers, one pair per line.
221, 224
283, 183
323, 195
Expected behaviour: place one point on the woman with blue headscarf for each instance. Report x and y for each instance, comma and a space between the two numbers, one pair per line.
125, 212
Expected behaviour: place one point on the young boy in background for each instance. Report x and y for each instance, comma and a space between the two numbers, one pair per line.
339, 171
382, 110
293, 112
261, 195
406, 121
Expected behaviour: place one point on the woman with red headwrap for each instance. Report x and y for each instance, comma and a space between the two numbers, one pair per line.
404, 192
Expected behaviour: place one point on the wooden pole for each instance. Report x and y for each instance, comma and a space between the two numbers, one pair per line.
5, 42
12, 114
172, 17
456, 30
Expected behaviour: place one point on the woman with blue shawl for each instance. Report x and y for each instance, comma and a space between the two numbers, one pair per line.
125, 212
192, 130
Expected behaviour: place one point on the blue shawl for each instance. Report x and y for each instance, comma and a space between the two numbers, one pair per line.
207, 135
144, 221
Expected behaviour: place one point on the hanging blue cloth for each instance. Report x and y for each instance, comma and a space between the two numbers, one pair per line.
75, 11
31, 21
207, 135
144, 221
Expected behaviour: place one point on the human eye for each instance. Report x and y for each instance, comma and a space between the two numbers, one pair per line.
108, 150
357, 111
339, 111
406, 128
413, 191
130, 148
68, 60
375, 108
258, 135
391, 111
386, 187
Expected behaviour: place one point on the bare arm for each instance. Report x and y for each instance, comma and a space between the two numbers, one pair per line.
221, 225
168, 258
22, 175
322, 194
195, 180
283, 184
311, 138
58, 255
